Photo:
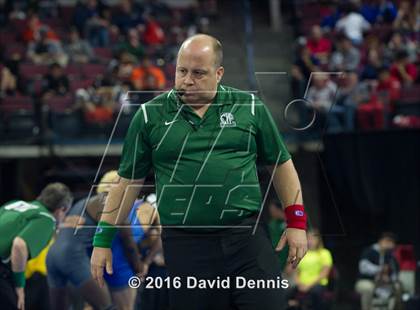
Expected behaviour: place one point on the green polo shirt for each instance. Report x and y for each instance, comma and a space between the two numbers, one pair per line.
205, 168
30, 221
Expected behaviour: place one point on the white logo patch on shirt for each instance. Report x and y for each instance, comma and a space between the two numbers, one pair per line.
227, 120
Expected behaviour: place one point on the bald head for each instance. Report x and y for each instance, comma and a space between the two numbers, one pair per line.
199, 70
203, 44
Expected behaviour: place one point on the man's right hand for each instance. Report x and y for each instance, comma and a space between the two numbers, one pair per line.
101, 257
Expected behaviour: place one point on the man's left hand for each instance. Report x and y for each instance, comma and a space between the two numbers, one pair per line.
20, 292
298, 244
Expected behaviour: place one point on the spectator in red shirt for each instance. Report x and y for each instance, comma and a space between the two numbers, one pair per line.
153, 33
33, 29
402, 69
389, 85
319, 46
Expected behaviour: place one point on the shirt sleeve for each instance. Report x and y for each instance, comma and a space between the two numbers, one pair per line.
270, 146
136, 155
326, 258
37, 233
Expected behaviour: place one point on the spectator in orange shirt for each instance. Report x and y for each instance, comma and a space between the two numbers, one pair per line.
403, 70
33, 29
148, 77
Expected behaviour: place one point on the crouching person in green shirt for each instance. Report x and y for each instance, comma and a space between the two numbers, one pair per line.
25, 229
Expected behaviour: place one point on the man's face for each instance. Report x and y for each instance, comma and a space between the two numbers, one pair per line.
60, 213
196, 75
316, 33
386, 244
56, 72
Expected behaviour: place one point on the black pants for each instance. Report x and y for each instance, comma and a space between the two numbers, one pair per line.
8, 297
37, 293
233, 253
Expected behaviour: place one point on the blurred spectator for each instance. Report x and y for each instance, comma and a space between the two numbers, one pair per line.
101, 100
350, 93
79, 50
417, 18
46, 51
8, 83
374, 114
374, 262
146, 80
406, 19
370, 70
11, 80
399, 42
329, 21
375, 11
322, 97
35, 27
301, 70
352, 24
153, 33
125, 65
10, 10
148, 76
128, 16
403, 70
388, 86
346, 57
132, 45
55, 82
93, 19
319, 46
313, 271
370, 115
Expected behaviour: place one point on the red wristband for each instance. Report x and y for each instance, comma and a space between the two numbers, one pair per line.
296, 217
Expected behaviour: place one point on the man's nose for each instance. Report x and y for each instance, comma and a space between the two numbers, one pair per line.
188, 80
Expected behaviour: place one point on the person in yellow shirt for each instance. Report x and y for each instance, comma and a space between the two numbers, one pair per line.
313, 270
37, 296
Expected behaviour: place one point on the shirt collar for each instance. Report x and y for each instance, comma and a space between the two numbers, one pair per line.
221, 98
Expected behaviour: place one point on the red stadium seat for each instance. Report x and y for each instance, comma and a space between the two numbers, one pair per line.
37, 86
16, 103
17, 118
18, 25
7, 38
103, 53
66, 14
59, 103
33, 71
76, 84
53, 23
15, 49
73, 70
311, 10
93, 70
410, 94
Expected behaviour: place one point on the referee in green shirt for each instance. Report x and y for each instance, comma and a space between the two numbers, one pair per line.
203, 141
25, 229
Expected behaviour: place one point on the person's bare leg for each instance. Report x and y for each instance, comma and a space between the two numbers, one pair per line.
97, 297
58, 298
124, 299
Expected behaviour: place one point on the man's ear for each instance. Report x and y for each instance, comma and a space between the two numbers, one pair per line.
219, 73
